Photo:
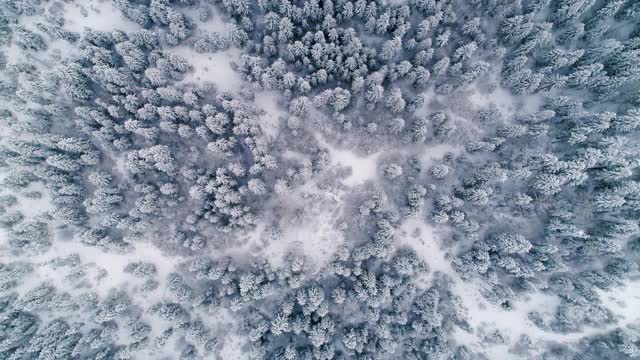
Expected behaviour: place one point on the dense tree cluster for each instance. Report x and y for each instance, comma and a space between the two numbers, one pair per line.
108, 132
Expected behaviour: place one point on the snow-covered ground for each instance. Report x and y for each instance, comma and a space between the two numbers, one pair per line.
314, 233
486, 318
624, 302
507, 103
214, 67
233, 348
311, 230
307, 220
434, 153
97, 260
274, 113
97, 15
363, 168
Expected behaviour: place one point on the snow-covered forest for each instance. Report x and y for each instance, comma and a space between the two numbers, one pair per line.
319, 179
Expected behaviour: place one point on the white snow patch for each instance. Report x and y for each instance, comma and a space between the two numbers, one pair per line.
624, 302
96, 15
29, 207
485, 317
232, 348
43, 60
215, 22
434, 153
312, 233
63, 48
270, 121
363, 168
425, 240
422, 238
214, 67
504, 100
33, 207
96, 259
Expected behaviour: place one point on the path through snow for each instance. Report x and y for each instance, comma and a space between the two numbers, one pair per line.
485, 318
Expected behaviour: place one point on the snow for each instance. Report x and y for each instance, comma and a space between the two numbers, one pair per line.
33, 207
214, 67
624, 302
43, 60
99, 15
270, 121
314, 235
120, 164
215, 22
314, 230
434, 153
311, 231
502, 98
103, 272
310, 224
508, 104
397, 2
63, 48
363, 168
96, 259
485, 317
232, 348
425, 240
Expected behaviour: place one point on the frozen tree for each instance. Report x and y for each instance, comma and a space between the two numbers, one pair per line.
394, 102
510, 243
27, 39
114, 139
29, 236
439, 171
393, 171
158, 157
396, 125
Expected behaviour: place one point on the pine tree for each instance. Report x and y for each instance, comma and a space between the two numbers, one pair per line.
395, 102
